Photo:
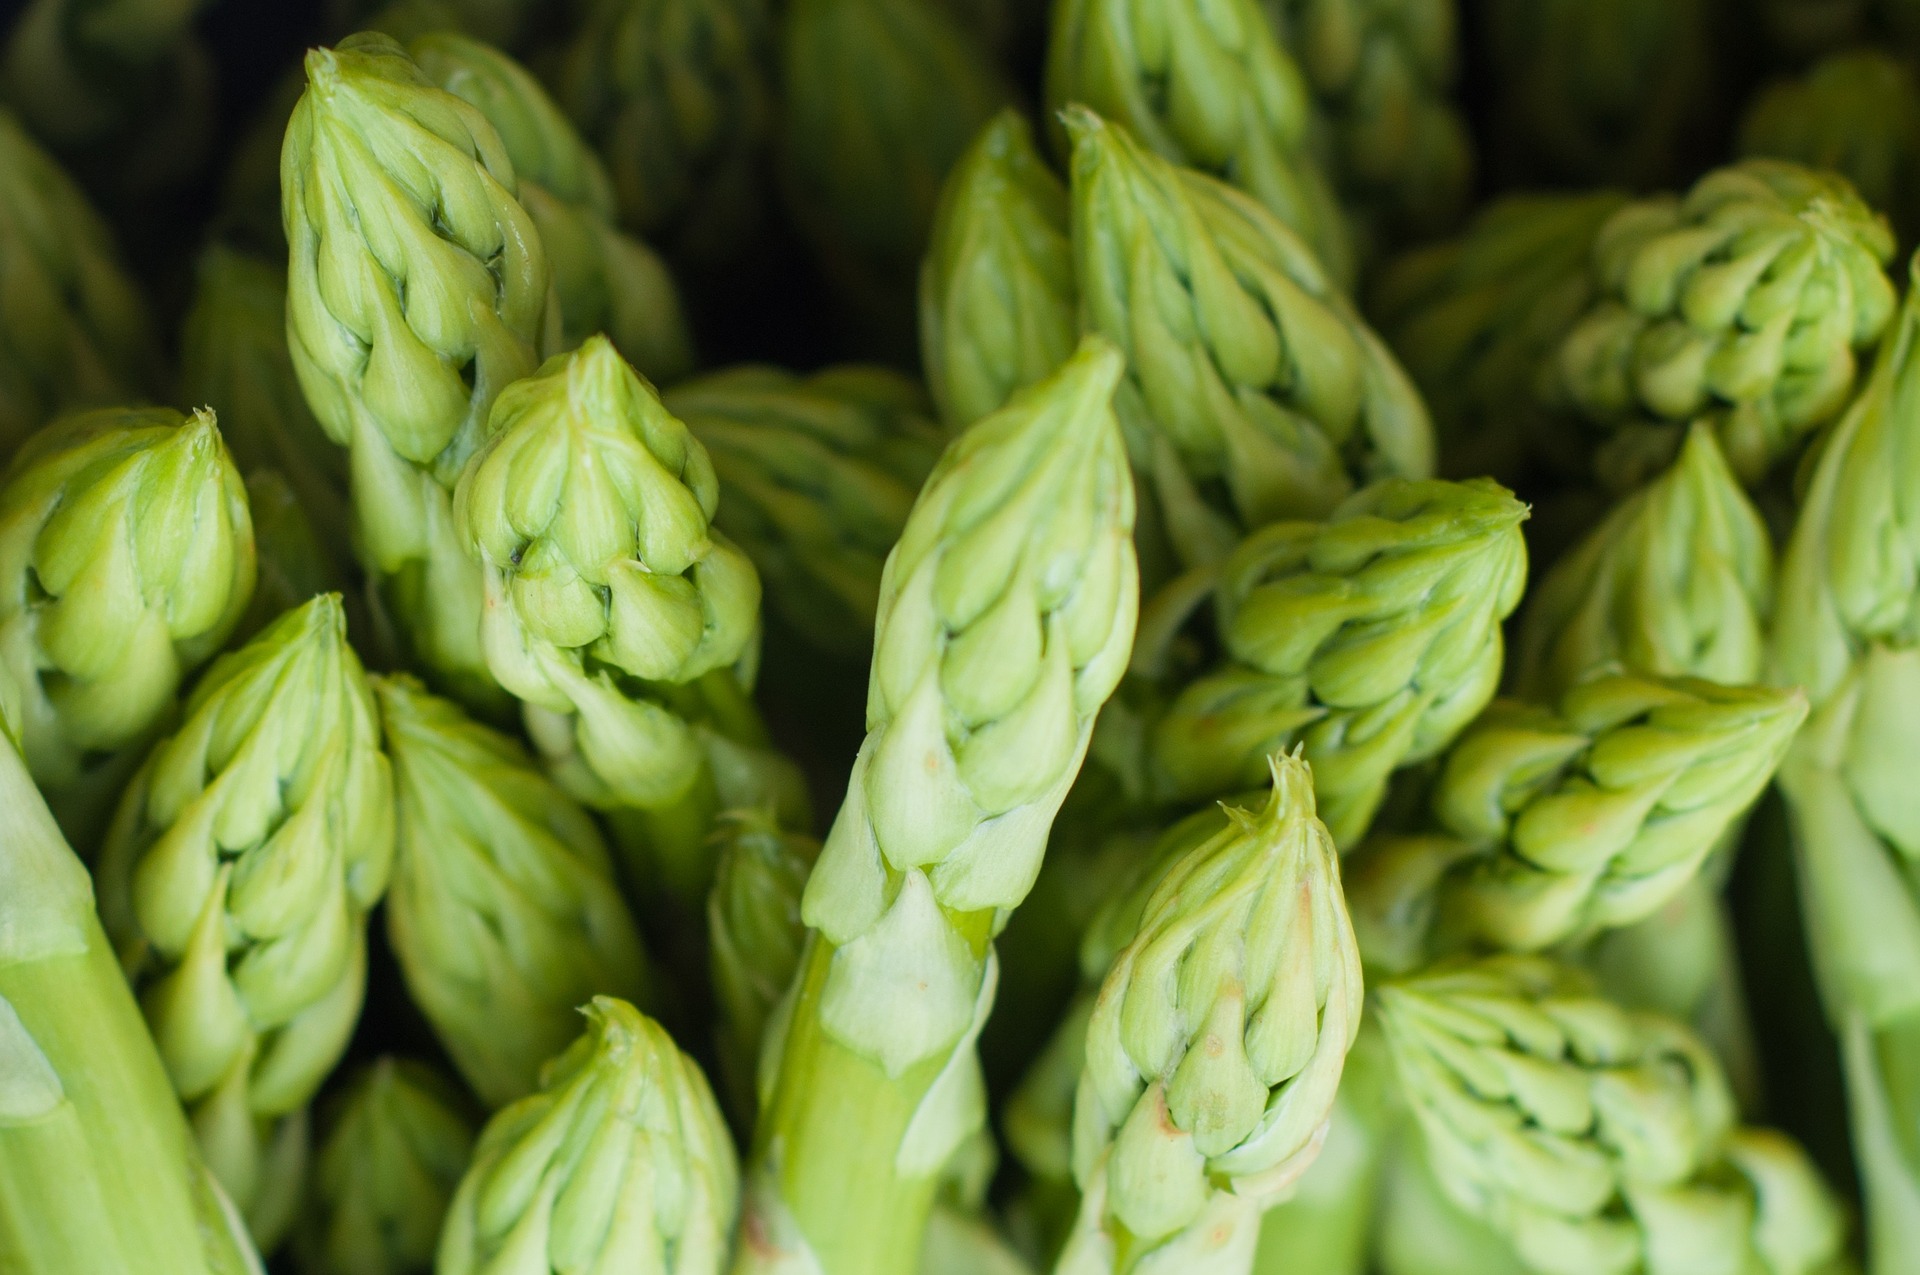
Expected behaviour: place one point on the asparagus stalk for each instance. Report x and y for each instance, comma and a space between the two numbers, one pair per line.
98, 1169
1005, 619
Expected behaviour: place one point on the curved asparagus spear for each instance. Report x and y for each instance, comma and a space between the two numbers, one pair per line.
997, 299
504, 914
398, 1141
98, 1169
1006, 617
417, 290
621, 1161
126, 560
237, 879
74, 332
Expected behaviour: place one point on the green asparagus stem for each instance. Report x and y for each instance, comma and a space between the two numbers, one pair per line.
607, 281
1746, 302
398, 1141
1216, 1045
1475, 318
1595, 815
676, 95
756, 932
1371, 639
1846, 632
997, 301
1249, 375
1383, 74
417, 290
98, 1170
882, 97
1206, 86
504, 913
234, 359
616, 612
1006, 616
74, 332
1623, 93
620, 1162
236, 881
126, 560
816, 477
1857, 113
1677, 581
1592, 1138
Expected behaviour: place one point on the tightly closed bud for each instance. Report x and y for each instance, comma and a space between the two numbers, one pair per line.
816, 477
1596, 815
1206, 86
126, 552
1383, 73
590, 511
1006, 618
1678, 581
997, 301
1217, 1042
504, 913
237, 880
234, 359
417, 290
1371, 639
399, 1140
1476, 318
606, 281
74, 332
1595, 1139
676, 95
1857, 113
1747, 302
882, 96
1624, 92
620, 1162
1243, 355
753, 918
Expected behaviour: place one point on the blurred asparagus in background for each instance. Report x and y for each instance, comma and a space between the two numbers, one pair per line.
290, 562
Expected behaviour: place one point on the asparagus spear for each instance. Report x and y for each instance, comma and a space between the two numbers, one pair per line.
98, 1170
1006, 615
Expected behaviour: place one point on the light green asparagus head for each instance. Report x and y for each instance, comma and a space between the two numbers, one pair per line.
234, 359
755, 932
1596, 815
997, 299
238, 876
816, 477
1617, 93
504, 912
590, 509
606, 280
384, 1174
1372, 639
74, 332
1207, 86
1383, 75
620, 1162
1242, 355
1677, 581
126, 560
1219, 1035
676, 95
882, 97
1475, 318
1850, 567
1006, 618
1856, 112
1592, 1138
1746, 302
